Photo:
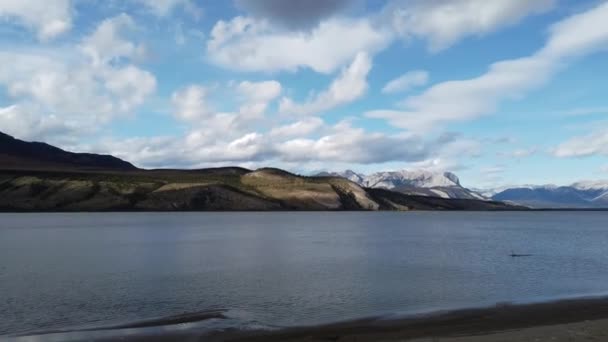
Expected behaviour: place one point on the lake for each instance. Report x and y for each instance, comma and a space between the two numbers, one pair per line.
273, 270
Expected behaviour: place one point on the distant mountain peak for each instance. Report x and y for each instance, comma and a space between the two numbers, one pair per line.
412, 178
415, 182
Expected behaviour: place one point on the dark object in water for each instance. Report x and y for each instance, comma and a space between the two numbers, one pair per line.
515, 255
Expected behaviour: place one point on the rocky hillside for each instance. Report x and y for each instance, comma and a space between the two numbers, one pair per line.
226, 189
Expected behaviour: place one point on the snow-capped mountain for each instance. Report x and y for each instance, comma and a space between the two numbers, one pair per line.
585, 194
352, 176
591, 185
414, 182
491, 192
416, 179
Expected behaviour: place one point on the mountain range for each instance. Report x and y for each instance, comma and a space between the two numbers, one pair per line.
585, 194
39, 177
414, 182
589, 194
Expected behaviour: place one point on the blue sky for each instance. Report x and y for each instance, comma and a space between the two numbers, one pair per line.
500, 92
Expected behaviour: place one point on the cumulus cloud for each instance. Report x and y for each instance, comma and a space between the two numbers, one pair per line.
60, 88
108, 42
249, 44
353, 145
228, 138
256, 96
72, 88
341, 144
350, 85
129, 86
294, 14
406, 82
191, 103
575, 36
17, 120
444, 22
49, 18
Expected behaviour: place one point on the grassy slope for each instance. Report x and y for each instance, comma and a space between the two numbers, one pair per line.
208, 189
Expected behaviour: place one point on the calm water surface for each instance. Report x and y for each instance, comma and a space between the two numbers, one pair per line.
68, 271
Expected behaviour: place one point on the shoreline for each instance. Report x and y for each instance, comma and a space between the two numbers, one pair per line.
576, 319
477, 322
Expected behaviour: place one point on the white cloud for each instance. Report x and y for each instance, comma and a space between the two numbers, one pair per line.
191, 103
75, 90
350, 85
48, 18
107, 43
129, 85
353, 145
249, 44
302, 127
444, 22
341, 144
595, 143
579, 34
72, 87
216, 135
163, 8
19, 121
406, 82
256, 96
317, 40
468, 99
259, 91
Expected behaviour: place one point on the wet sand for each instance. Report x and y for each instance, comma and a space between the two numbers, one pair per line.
569, 320
561, 321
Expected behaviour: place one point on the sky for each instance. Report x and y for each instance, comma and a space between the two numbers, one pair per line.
501, 92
